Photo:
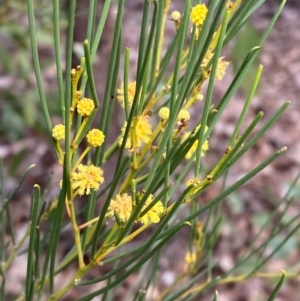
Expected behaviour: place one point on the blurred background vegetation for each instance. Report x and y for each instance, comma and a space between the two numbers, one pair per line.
21, 116
20, 111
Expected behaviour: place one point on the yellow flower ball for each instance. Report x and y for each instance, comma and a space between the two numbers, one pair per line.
176, 16
131, 92
222, 65
183, 114
88, 177
122, 205
95, 138
85, 107
199, 97
153, 215
164, 113
142, 132
198, 14
58, 132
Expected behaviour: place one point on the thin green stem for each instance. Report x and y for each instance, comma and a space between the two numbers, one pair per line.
77, 235
36, 64
57, 45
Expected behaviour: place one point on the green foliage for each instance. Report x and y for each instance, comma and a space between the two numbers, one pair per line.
16, 67
152, 164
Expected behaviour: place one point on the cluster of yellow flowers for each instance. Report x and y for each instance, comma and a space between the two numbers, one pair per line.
197, 17
222, 65
123, 205
140, 132
86, 178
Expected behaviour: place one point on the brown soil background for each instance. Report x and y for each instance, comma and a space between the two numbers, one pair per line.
280, 57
